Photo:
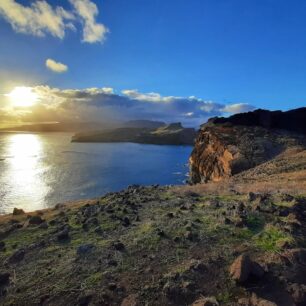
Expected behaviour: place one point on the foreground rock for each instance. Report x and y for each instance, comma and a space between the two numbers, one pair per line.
243, 268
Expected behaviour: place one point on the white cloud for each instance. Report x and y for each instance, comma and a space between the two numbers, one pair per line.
40, 19
238, 108
92, 31
104, 105
56, 66
147, 97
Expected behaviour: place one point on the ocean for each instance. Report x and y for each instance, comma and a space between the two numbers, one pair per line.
38, 171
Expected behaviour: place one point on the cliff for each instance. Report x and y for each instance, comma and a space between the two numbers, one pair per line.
227, 146
172, 134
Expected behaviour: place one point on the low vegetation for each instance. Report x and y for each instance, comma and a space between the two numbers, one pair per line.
152, 246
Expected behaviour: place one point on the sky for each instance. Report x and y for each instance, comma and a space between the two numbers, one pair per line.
175, 60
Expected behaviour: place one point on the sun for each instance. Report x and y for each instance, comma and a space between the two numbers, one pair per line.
23, 96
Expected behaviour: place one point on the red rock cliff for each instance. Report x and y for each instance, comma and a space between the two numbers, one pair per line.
225, 149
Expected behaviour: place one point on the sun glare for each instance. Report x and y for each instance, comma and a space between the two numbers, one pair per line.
23, 96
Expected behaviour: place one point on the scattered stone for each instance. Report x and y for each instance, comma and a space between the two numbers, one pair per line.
35, 220
160, 232
287, 197
258, 301
179, 292
98, 230
177, 239
239, 222
131, 300
126, 221
63, 235
298, 293
284, 212
52, 222
296, 255
89, 222
242, 268
18, 211
43, 225
2, 246
198, 266
227, 221
4, 279
252, 196
119, 246
209, 301
112, 262
85, 249
36, 245
17, 256
241, 206
112, 286
85, 300
190, 235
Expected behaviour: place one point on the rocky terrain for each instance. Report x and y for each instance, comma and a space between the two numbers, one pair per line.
237, 240
158, 246
172, 134
227, 146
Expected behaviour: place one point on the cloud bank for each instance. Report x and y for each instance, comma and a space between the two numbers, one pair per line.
41, 19
56, 66
104, 105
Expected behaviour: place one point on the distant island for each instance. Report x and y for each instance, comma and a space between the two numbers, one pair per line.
150, 133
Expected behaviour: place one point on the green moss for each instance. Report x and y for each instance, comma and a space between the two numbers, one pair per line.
224, 297
255, 222
93, 280
271, 238
284, 204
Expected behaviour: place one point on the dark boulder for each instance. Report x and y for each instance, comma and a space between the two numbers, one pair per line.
243, 268
4, 278
18, 211
85, 249
17, 256
35, 220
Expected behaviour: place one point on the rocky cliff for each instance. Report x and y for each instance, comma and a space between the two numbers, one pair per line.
227, 146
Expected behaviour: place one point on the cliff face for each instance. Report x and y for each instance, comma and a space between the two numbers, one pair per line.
227, 146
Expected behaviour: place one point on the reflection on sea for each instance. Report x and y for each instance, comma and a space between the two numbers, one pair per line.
23, 171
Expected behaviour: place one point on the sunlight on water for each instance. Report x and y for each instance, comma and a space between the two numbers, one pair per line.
24, 170
40, 170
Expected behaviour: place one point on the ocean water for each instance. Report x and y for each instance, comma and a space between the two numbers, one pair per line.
40, 170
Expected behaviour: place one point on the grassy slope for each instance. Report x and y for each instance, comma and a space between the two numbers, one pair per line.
178, 246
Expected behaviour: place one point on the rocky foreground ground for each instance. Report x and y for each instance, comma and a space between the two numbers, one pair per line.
158, 246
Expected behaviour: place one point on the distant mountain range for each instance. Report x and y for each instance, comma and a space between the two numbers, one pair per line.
82, 126
172, 134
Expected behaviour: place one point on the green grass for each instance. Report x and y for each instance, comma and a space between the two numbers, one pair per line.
255, 223
271, 238
92, 280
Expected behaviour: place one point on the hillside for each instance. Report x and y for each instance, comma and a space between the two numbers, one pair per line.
227, 146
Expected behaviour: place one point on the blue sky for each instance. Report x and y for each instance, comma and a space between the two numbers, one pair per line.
225, 51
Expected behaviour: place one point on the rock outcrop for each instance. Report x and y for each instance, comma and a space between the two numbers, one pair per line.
227, 146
